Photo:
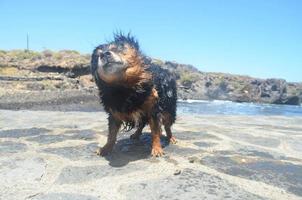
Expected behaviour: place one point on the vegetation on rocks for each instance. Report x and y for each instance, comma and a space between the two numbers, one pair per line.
68, 69
32, 59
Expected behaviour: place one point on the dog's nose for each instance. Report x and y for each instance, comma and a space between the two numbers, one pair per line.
107, 53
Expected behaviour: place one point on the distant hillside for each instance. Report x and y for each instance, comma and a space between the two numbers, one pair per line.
49, 70
194, 84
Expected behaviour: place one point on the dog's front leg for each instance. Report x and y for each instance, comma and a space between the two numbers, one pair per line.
156, 133
114, 126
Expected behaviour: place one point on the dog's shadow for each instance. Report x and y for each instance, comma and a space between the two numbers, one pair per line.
127, 150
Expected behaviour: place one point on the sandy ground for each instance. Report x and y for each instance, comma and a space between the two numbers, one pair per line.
50, 155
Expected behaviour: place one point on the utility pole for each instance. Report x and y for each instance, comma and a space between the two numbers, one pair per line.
27, 42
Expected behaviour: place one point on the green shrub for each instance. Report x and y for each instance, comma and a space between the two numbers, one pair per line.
187, 78
22, 54
69, 52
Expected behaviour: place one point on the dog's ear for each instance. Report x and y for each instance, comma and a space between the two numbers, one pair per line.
121, 38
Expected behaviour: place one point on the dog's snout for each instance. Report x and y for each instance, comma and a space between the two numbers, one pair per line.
105, 54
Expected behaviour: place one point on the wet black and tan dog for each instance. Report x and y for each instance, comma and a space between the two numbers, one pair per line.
133, 92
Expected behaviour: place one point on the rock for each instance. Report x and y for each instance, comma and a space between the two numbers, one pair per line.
193, 159
291, 100
177, 172
70, 74
255, 82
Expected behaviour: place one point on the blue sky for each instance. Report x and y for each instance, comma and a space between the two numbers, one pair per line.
260, 38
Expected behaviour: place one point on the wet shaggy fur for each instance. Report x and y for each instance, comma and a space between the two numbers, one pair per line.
142, 93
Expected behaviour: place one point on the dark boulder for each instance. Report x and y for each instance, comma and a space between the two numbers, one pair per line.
291, 100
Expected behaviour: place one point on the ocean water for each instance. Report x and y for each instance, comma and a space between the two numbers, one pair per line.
233, 108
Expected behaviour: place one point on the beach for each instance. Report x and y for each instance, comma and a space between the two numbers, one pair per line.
51, 155
223, 77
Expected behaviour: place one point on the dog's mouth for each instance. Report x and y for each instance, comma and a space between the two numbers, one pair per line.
112, 67
110, 64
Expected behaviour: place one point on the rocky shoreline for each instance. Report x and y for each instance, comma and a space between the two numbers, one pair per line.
65, 100
58, 76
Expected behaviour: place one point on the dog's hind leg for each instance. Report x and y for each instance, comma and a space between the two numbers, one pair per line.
170, 137
138, 132
167, 124
114, 126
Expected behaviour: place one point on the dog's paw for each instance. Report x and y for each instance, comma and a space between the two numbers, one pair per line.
172, 140
157, 152
103, 151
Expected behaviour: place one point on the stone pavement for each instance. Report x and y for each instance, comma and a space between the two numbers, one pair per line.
50, 155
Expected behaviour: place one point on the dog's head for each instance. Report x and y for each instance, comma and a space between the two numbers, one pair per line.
119, 61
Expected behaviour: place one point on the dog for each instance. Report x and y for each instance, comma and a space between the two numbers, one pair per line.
133, 91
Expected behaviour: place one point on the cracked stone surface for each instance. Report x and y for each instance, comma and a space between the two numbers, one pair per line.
64, 196
190, 184
47, 155
11, 147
